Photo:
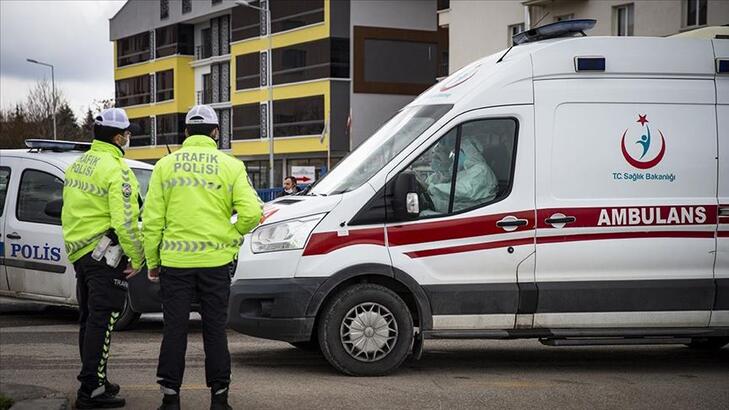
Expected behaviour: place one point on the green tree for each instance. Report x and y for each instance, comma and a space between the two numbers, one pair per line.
67, 125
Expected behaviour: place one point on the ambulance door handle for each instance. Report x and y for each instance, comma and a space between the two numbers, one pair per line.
511, 223
723, 211
13, 235
560, 219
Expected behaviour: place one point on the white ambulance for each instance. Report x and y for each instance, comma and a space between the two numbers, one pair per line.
570, 189
33, 261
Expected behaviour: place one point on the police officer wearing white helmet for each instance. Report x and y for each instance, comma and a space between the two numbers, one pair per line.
190, 244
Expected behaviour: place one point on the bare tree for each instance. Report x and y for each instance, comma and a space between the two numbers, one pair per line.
39, 107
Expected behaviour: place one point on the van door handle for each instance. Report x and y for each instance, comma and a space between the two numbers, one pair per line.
723, 211
13, 235
510, 223
559, 220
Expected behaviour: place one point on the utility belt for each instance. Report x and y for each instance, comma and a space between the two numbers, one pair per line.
108, 249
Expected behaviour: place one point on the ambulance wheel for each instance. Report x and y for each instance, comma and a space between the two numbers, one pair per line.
708, 343
366, 330
128, 317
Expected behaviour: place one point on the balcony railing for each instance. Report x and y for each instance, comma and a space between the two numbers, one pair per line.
203, 51
205, 97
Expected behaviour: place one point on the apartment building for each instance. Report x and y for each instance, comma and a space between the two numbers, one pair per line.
481, 28
340, 68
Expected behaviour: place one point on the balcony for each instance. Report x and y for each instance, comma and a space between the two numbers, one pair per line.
205, 96
203, 51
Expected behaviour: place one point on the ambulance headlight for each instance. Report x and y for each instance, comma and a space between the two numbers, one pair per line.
284, 236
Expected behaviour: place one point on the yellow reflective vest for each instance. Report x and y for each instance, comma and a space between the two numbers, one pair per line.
100, 192
192, 195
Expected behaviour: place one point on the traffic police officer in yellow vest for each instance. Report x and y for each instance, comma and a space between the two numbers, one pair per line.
101, 234
190, 243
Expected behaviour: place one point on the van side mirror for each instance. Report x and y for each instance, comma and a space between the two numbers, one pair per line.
405, 196
53, 208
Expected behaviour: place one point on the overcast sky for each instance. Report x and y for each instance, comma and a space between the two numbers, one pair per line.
71, 35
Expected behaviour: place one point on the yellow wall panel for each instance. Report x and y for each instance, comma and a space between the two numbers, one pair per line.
280, 146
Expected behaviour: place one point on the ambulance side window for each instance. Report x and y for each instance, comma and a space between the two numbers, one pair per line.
37, 189
4, 182
469, 167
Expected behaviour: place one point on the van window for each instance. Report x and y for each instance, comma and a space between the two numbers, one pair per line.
375, 153
37, 189
4, 182
470, 166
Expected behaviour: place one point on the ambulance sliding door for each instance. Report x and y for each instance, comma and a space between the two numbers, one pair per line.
626, 205
720, 315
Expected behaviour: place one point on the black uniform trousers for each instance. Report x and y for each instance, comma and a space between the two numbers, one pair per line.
101, 291
178, 286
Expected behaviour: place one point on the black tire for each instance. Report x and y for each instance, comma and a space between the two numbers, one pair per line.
308, 346
128, 317
332, 322
708, 343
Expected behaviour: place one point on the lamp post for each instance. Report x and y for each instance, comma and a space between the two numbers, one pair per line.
53, 84
269, 83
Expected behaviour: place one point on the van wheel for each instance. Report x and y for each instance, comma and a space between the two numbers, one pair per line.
128, 317
366, 330
708, 343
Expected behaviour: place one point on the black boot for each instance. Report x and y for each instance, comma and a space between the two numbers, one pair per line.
170, 402
219, 398
84, 400
112, 388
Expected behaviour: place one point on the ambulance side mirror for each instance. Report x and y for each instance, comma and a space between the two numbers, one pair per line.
53, 208
405, 196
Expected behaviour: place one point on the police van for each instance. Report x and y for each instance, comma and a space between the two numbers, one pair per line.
33, 261
570, 189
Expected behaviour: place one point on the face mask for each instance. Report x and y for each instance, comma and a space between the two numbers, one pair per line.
289, 191
126, 144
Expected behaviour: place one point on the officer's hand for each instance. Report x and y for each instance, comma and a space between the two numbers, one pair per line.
129, 272
153, 275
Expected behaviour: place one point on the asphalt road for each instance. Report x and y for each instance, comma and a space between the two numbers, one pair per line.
39, 347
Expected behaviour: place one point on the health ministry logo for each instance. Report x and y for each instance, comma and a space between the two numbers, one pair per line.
645, 142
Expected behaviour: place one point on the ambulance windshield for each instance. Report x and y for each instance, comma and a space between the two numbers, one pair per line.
377, 151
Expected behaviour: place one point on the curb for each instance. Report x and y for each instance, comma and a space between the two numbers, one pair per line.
28, 397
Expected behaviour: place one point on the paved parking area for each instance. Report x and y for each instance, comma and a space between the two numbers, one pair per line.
39, 347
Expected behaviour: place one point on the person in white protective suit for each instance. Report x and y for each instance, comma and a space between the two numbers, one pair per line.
476, 183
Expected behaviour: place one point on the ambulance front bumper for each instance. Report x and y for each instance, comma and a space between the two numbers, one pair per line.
273, 308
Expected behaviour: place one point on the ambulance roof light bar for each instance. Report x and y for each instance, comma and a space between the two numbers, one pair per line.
567, 28
38, 145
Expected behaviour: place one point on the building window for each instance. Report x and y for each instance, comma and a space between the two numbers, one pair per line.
133, 49
298, 116
513, 30
247, 122
164, 9
133, 91
444, 4
216, 1
186, 6
205, 49
623, 20
564, 17
312, 60
205, 96
164, 84
291, 14
170, 128
245, 22
394, 61
247, 71
175, 39
695, 12
258, 173
145, 136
